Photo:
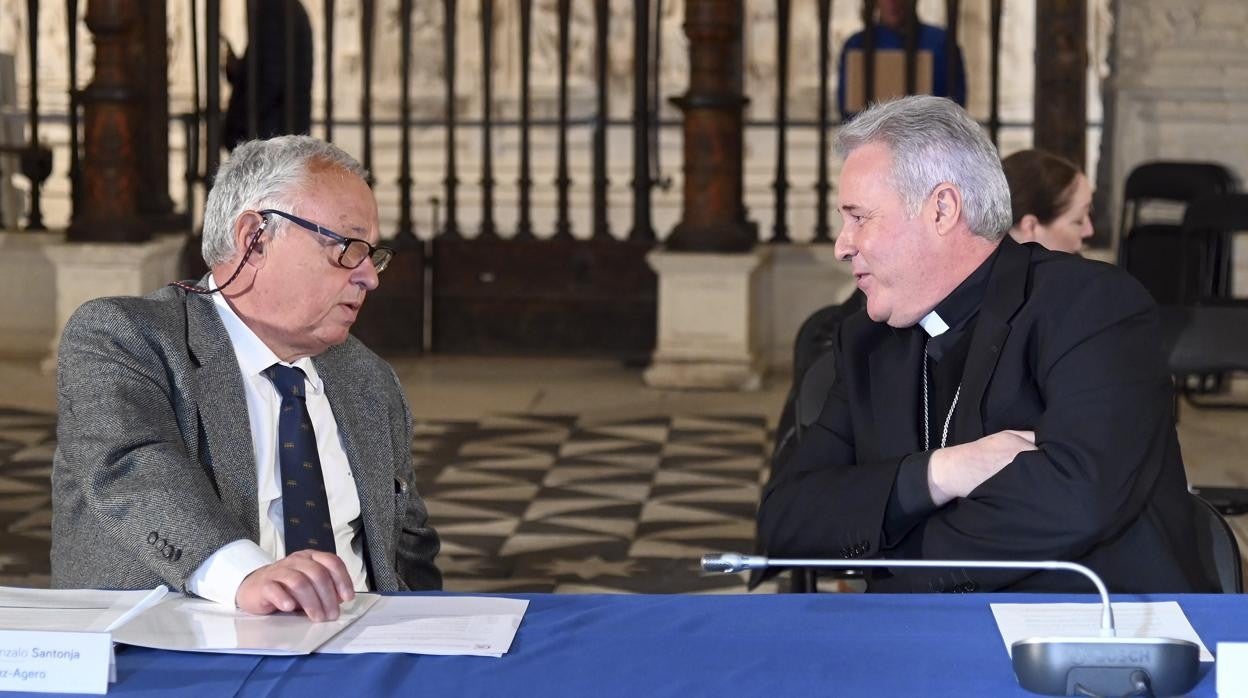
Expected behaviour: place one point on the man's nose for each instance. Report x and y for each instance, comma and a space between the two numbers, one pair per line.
365, 276
844, 247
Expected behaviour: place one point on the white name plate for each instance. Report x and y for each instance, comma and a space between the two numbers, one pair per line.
54, 662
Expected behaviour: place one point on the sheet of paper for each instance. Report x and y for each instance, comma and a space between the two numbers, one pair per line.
84, 610
195, 625
451, 625
1232, 669
1018, 621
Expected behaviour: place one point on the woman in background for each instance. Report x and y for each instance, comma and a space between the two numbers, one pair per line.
1051, 200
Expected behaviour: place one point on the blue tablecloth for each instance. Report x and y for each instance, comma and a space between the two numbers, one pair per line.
760, 645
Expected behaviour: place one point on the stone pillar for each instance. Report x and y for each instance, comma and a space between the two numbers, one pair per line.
94, 270
152, 137
112, 174
1061, 101
713, 213
711, 271
709, 326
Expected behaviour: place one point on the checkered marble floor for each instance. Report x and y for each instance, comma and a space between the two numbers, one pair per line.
560, 504
550, 503
27, 440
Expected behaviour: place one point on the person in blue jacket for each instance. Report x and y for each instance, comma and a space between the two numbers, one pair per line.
889, 26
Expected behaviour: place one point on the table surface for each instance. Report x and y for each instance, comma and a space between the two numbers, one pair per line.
755, 645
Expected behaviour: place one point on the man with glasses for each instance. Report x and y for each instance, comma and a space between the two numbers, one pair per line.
231, 439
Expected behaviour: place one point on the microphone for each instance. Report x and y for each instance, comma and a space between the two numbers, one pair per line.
1058, 666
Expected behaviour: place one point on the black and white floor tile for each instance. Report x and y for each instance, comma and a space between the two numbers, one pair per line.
563, 504
27, 440
549, 503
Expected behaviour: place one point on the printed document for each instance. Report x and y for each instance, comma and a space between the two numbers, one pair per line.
73, 610
458, 625
197, 625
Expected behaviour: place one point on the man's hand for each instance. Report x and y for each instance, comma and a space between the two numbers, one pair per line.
313, 581
957, 470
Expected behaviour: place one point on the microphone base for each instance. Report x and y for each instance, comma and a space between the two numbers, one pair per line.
1106, 666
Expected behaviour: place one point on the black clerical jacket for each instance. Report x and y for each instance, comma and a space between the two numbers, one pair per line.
1063, 346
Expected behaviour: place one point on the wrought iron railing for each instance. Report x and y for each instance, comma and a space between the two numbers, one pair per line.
202, 139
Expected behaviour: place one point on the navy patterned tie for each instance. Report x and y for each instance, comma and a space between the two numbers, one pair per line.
304, 504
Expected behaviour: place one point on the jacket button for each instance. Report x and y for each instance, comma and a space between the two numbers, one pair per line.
152, 538
177, 554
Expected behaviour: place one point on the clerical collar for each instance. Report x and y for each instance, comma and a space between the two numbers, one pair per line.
957, 309
934, 324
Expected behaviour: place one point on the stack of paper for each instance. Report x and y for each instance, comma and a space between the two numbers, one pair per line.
462, 625
371, 623
73, 610
195, 625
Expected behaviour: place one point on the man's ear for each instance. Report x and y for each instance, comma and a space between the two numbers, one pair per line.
948, 207
247, 227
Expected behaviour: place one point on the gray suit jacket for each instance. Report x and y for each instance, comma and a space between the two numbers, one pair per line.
154, 468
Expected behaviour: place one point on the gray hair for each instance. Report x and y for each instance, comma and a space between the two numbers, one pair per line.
932, 141
263, 174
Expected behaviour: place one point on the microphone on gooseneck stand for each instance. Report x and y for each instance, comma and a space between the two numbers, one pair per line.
1058, 666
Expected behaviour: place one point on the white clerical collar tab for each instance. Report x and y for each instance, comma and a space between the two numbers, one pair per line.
933, 324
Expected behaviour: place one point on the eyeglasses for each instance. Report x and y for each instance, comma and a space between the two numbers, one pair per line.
354, 250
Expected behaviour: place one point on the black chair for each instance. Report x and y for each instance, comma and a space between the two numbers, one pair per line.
1219, 551
813, 372
1204, 339
1209, 339
1149, 250
1214, 220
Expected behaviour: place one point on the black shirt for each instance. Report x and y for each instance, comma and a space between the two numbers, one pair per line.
911, 499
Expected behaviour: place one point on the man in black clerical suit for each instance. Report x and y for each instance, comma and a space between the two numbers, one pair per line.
993, 401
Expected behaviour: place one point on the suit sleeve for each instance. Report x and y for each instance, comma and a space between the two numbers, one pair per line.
122, 470
1102, 441
822, 502
418, 542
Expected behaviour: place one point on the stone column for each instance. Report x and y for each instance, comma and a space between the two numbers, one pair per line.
709, 334
713, 213
1061, 101
152, 138
112, 176
711, 273
94, 270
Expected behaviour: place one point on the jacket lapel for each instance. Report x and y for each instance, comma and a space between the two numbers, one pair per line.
367, 445
895, 390
221, 402
1003, 295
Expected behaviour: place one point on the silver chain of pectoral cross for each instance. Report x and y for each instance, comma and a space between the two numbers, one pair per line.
944, 432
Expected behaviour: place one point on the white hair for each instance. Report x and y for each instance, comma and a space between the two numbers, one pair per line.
934, 141
263, 174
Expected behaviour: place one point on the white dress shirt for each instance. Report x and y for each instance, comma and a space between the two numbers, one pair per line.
219, 577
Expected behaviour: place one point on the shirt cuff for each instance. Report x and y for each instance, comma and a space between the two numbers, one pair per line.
911, 500
219, 577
